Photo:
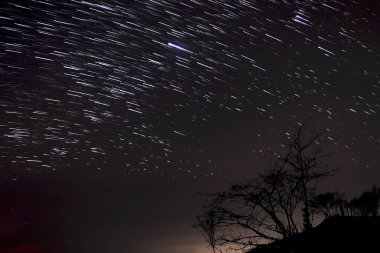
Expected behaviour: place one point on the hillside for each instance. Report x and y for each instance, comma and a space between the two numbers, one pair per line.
335, 234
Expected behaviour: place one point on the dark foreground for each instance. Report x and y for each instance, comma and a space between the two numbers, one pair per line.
335, 234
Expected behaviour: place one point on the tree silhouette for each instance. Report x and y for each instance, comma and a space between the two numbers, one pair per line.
333, 204
304, 162
208, 221
330, 204
367, 204
266, 208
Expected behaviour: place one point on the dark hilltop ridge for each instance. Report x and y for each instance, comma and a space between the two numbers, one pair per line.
334, 234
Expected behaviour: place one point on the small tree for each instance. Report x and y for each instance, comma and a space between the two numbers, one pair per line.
209, 221
304, 160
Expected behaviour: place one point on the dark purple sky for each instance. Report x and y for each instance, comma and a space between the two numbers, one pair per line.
115, 113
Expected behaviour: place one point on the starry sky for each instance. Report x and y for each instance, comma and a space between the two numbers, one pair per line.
114, 113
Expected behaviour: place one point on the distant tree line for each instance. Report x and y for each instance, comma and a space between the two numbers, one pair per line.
281, 201
334, 203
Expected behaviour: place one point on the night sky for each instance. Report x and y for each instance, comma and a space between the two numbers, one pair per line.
115, 113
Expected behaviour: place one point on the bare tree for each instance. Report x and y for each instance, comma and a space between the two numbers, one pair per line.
304, 160
209, 221
244, 215
267, 208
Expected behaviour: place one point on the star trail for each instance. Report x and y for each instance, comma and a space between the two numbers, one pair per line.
85, 83
144, 88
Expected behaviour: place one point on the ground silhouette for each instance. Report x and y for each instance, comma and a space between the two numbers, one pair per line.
334, 234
